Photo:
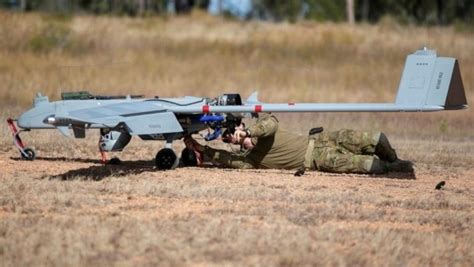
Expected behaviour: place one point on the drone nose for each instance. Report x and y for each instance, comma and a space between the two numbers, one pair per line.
23, 122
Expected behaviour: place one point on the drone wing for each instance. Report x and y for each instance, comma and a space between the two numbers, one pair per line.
138, 118
428, 83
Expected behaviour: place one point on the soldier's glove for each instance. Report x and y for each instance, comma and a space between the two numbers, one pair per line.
239, 135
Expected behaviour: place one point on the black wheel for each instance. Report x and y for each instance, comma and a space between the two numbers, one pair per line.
30, 154
114, 161
188, 157
165, 159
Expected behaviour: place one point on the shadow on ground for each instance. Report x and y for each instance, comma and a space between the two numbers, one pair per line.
125, 168
297, 174
82, 160
400, 175
396, 175
99, 172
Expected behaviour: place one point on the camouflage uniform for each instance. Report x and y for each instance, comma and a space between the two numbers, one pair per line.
275, 148
338, 151
351, 151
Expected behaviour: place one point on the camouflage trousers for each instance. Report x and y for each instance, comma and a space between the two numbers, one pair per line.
345, 151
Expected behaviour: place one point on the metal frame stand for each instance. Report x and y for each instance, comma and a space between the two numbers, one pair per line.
26, 153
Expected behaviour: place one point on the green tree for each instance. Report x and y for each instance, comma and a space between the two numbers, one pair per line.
321, 10
417, 11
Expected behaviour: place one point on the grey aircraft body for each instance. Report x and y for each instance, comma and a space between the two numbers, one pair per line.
428, 83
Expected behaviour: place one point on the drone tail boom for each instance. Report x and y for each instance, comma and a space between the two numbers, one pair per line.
428, 83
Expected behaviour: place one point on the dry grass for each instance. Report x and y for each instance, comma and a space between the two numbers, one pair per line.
205, 55
201, 55
66, 209
128, 215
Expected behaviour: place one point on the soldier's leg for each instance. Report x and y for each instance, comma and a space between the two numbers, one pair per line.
333, 159
367, 143
357, 142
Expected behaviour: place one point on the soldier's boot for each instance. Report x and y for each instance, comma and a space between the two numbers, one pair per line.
374, 166
400, 166
383, 149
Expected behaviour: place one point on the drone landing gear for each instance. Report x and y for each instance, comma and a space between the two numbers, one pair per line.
166, 158
25, 152
104, 158
103, 153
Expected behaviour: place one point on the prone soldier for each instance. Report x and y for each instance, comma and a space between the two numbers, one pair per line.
265, 145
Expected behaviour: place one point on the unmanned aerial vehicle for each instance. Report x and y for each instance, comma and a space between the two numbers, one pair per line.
428, 83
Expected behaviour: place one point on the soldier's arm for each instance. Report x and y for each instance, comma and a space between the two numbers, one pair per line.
266, 125
227, 159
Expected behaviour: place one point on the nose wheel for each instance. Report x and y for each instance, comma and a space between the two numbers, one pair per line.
28, 154
166, 159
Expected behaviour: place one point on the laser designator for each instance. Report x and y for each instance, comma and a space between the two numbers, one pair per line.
428, 83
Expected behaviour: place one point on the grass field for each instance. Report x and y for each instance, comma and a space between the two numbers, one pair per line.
67, 209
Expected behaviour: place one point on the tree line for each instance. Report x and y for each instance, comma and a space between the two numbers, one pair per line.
432, 12
441, 12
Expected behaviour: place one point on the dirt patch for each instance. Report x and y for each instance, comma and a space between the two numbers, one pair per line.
75, 211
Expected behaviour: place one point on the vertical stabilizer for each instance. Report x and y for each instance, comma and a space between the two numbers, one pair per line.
429, 80
456, 97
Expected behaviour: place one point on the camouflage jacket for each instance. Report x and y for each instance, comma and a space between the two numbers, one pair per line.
275, 148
